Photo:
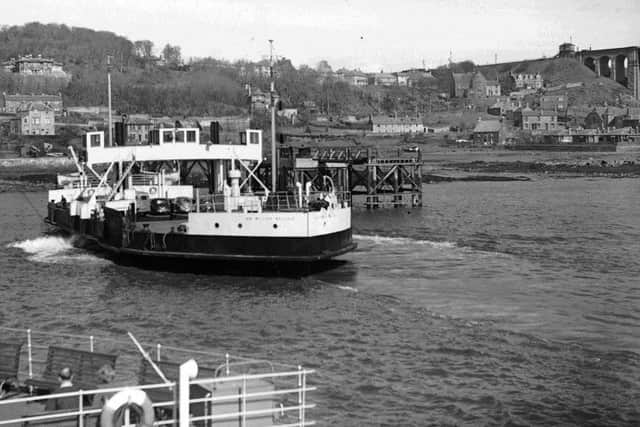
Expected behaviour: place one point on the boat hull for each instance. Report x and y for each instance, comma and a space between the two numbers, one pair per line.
150, 249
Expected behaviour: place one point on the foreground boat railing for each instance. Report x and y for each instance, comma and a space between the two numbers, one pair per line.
234, 400
231, 390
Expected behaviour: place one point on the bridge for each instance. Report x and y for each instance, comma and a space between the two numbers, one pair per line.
619, 64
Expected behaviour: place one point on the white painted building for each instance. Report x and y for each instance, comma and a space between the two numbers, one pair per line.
391, 125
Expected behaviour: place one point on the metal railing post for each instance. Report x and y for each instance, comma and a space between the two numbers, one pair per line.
226, 357
30, 355
304, 398
158, 347
91, 343
244, 400
300, 411
81, 410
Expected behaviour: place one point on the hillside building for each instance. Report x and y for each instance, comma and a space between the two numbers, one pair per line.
553, 102
487, 132
11, 103
391, 125
529, 81
33, 119
534, 120
31, 65
385, 79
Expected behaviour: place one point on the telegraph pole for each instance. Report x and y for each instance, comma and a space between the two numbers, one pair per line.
109, 96
274, 166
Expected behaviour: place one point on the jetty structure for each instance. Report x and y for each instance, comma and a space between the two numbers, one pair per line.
374, 179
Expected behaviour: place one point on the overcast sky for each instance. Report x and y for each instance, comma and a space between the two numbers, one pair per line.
368, 34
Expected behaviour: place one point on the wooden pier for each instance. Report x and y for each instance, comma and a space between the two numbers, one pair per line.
375, 180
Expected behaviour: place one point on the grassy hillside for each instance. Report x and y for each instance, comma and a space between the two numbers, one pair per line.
560, 71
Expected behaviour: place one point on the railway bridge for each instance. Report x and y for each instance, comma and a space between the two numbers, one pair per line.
620, 64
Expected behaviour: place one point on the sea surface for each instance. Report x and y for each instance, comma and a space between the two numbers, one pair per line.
497, 303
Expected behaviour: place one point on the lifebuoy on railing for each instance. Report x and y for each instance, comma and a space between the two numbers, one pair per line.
153, 190
138, 403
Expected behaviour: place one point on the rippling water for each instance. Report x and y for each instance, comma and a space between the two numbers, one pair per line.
511, 303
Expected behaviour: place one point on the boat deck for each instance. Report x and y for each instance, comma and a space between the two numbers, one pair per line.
227, 391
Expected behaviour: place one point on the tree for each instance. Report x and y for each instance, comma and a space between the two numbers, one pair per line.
324, 67
143, 48
172, 55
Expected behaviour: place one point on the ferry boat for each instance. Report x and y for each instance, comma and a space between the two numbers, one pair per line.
118, 382
127, 200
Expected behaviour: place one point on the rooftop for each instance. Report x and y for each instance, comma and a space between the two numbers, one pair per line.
384, 120
488, 126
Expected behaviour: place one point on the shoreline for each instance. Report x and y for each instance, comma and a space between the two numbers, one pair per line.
440, 166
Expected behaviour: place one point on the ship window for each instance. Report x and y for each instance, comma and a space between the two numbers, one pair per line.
275, 225
95, 140
216, 225
191, 136
239, 225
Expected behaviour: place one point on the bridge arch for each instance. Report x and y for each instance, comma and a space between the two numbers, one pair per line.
591, 63
621, 70
605, 66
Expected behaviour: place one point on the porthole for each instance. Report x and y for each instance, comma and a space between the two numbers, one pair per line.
275, 225
216, 225
239, 225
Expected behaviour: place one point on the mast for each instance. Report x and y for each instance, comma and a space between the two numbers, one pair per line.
274, 165
109, 96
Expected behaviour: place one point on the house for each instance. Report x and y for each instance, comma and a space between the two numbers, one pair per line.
385, 79
487, 132
478, 86
534, 120
136, 130
259, 100
493, 89
34, 66
391, 125
554, 102
594, 120
291, 114
358, 79
460, 85
403, 79
528, 81
630, 119
11, 103
33, 119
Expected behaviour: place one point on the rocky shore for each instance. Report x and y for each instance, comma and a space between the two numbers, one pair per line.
617, 169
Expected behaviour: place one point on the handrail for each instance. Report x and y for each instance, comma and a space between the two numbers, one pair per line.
244, 397
30, 333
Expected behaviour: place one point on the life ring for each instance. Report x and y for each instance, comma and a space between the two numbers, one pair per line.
153, 190
136, 400
416, 200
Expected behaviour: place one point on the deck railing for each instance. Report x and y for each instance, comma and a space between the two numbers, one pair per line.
274, 202
242, 390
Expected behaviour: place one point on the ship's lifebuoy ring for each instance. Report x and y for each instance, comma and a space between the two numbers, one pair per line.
136, 400
416, 200
153, 190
